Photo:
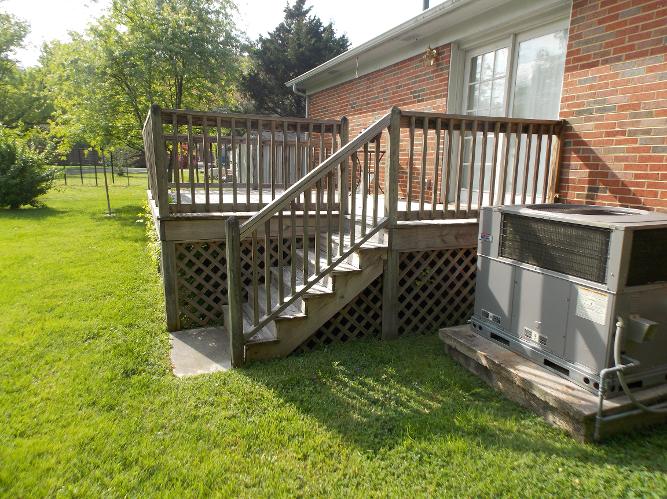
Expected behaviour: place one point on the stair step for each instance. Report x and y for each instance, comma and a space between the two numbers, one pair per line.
324, 284
266, 333
342, 267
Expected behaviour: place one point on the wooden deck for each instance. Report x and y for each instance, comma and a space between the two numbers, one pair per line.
322, 252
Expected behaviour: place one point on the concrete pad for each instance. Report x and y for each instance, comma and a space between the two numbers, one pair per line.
200, 351
559, 401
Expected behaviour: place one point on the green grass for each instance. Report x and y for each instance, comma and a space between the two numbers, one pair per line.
89, 407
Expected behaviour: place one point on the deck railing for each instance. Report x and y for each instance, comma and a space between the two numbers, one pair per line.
454, 164
223, 162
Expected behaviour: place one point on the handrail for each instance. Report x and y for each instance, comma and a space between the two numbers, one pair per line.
170, 113
318, 173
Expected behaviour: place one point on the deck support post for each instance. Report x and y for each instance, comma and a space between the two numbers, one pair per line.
343, 190
234, 298
390, 274
168, 269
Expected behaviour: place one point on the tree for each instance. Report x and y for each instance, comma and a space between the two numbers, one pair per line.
23, 175
12, 33
177, 53
298, 44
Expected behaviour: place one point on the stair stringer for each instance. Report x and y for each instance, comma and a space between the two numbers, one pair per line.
293, 331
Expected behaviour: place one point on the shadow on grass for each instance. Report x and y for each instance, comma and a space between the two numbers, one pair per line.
29, 213
376, 395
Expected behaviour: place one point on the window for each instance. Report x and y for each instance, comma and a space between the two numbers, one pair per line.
519, 76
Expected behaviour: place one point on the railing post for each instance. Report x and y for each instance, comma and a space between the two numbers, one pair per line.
343, 170
554, 172
234, 296
160, 158
390, 275
393, 166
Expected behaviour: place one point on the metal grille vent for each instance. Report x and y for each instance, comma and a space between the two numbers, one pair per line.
648, 263
571, 249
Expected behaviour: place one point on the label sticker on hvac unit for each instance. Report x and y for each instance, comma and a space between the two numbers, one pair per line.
592, 305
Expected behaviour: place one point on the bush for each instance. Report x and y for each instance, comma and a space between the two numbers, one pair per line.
23, 174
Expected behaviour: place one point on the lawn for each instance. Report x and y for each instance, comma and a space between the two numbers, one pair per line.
89, 406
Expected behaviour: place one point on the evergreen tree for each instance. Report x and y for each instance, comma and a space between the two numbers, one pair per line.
298, 44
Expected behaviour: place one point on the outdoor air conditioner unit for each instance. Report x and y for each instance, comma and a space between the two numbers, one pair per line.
553, 280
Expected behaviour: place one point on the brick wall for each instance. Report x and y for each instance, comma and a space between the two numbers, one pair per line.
615, 99
408, 84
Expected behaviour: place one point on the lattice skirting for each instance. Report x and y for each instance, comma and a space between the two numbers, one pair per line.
201, 278
436, 289
360, 317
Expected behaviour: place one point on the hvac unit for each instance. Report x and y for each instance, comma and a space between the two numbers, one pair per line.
558, 283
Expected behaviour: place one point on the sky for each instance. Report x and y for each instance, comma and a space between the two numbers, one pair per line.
361, 20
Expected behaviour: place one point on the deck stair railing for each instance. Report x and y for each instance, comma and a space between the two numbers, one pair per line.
296, 276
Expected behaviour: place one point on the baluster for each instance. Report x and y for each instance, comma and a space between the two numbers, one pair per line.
281, 281
191, 174
255, 279
260, 161
298, 160
234, 165
272, 159
494, 161
482, 168
330, 195
436, 167
505, 163
447, 176
364, 191
376, 179
177, 165
322, 133
267, 264
318, 208
526, 164
248, 161
285, 161
459, 174
422, 177
207, 187
547, 164
536, 172
293, 265
306, 241
218, 152
471, 169
353, 197
517, 152
411, 164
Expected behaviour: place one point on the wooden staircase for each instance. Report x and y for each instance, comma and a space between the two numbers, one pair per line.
301, 319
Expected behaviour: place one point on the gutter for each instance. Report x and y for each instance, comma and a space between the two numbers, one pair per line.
424, 17
302, 94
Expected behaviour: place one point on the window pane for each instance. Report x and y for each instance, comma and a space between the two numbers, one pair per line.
473, 91
539, 76
487, 66
484, 103
475, 69
498, 97
501, 62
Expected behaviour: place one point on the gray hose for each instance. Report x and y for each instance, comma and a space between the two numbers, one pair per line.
621, 376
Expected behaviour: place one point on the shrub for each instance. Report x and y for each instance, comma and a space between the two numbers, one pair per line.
23, 174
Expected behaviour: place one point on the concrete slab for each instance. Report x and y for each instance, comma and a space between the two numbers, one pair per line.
559, 401
200, 351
